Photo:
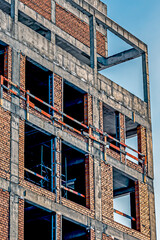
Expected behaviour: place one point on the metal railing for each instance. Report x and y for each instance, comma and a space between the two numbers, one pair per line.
27, 96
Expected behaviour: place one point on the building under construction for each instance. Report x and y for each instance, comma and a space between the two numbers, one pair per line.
68, 169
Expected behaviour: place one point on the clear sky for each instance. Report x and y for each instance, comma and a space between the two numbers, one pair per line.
141, 18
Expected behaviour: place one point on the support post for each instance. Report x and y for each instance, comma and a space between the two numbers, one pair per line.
14, 16
93, 47
105, 152
41, 164
27, 105
14, 164
146, 83
52, 159
66, 178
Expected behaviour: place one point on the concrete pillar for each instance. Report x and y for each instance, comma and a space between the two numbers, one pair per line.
14, 179
53, 11
98, 231
97, 163
14, 16
93, 48
146, 83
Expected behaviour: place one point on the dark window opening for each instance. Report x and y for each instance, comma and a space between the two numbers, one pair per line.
71, 230
3, 63
124, 199
39, 158
73, 103
131, 137
5, 6
2, 48
38, 223
39, 81
73, 175
75, 52
37, 27
111, 124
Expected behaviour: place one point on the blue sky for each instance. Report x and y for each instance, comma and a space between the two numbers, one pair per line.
141, 18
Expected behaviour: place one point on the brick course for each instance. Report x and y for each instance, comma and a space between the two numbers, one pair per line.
21, 220
4, 215
5, 119
40, 6
107, 191
78, 29
144, 209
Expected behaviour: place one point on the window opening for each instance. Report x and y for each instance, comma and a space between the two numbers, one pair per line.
72, 230
73, 175
39, 158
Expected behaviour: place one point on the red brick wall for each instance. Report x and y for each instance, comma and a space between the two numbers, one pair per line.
7, 69
40, 6
137, 205
59, 226
144, 209
142, 143
5, 119
122, 134
78, 29
58, 96
92, 234
4, 215
107, 191
22, 78
21, 220
105, 237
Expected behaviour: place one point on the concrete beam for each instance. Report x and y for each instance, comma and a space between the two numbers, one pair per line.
77, 143
118, 58
46, 203
14, 151
110, 25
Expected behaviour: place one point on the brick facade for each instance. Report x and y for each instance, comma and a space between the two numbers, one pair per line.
144, 209
5, 119
4, 215
40, 6
78, 29
107, 191
103, 213
21, 220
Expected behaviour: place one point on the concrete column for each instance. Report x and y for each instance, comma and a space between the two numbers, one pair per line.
53, 19
97, 164
98, 231
14, 16
14, 179
93, 48
53, 11
146, 83
14, 10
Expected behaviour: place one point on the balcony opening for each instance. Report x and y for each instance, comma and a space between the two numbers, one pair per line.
39, 81
38, 223
131, 137
34, 25
74, 170
111, 124
74, 51
39, 158
72, 230
5, 6
124, 202
73, 105
123, 65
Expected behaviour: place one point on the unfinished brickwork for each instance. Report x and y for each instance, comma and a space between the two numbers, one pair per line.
4, 214
64, 127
